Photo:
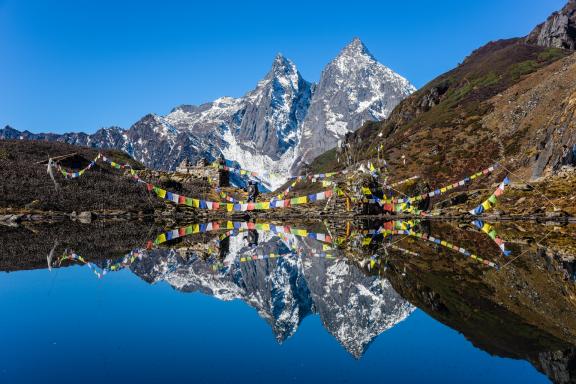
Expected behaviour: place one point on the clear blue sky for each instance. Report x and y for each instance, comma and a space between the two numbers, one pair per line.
81, 65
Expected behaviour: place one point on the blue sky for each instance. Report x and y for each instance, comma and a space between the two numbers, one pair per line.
79, 65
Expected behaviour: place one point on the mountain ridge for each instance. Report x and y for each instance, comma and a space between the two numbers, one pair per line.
275, 128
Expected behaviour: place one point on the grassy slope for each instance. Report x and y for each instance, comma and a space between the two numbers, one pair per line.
25, 183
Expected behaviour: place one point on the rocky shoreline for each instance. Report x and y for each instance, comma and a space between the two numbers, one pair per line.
10, 217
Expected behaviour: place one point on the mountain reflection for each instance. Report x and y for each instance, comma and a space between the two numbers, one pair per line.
285, 272
513, 298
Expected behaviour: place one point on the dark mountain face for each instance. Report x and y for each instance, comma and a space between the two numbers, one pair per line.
9, 133
274, 110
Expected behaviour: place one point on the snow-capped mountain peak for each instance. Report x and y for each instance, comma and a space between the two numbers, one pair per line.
284, 71
354, 88
283, 123
355, 48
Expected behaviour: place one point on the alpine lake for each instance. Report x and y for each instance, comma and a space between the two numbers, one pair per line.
289, 302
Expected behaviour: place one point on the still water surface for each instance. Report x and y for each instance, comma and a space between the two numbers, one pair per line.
177, 317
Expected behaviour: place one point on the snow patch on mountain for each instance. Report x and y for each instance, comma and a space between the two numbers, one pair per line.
273, 171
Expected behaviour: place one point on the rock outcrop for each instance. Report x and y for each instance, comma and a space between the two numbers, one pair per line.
558, 31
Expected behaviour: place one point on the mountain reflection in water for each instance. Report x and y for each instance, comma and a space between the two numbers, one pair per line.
513, 300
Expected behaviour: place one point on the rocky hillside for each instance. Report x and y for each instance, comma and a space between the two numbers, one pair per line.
277, 127
510, 101
26, 184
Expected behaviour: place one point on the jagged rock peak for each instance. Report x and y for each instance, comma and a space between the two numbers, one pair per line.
282, 62
284, 71
353, 57
558, 31
353, 88
355, 48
